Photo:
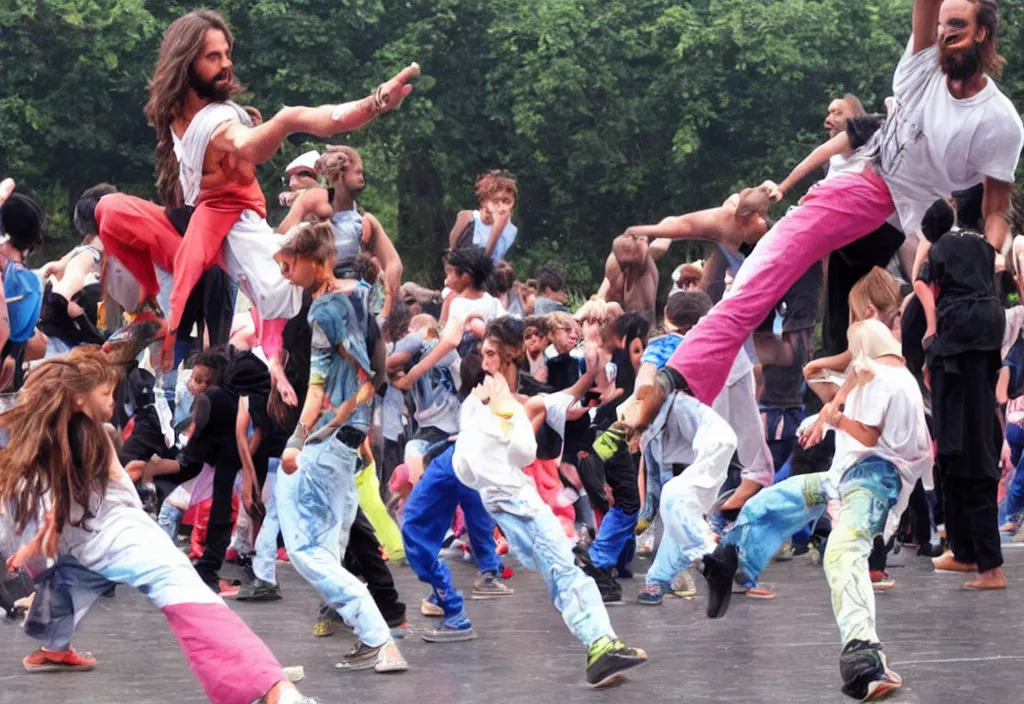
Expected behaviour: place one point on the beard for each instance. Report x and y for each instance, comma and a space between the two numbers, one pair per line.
961, 65
220, 89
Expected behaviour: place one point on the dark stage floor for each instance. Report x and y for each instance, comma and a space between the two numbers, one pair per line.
949, 645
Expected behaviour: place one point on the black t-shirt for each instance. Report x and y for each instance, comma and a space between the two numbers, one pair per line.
783, 386
625, 379
967, 309
564, 371
215, 443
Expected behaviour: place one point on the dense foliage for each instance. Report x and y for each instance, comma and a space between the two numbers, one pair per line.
610, 112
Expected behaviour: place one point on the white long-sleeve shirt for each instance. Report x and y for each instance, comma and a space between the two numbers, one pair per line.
490, 454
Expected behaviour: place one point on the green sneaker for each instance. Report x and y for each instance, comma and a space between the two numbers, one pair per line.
608, 658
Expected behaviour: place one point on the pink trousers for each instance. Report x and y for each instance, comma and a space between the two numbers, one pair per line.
837, 212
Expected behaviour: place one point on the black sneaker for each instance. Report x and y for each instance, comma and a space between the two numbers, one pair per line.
864, 672
608, 658
258, 590
611, 590
719, 569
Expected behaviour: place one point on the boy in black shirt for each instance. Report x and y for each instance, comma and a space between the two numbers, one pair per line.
963, 361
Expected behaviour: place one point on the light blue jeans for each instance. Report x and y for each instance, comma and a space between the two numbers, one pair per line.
867, 492
264, 563
540, 543
687, 534
316, 507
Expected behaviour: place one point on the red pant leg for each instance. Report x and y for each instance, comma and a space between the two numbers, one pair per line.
139, 234
200, 250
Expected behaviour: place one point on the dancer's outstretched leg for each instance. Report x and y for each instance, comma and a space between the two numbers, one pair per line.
840, 211
765, 522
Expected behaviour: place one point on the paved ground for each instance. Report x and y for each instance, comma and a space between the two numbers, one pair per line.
951, 646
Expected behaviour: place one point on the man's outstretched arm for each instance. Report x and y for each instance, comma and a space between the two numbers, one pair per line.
926, 23
257, 144
703, 224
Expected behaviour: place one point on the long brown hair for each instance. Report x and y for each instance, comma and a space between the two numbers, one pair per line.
38, 461
988, 17
182, 43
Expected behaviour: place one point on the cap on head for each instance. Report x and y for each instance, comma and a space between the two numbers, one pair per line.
303, 162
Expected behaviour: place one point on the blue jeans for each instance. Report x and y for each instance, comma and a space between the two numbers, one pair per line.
780, 425
540, 543
316, 506
687, 536
613, 539
264, 563
657, 477
1013, 503
868, 491
427, 516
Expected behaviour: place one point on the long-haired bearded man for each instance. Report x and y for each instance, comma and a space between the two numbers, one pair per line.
207, 151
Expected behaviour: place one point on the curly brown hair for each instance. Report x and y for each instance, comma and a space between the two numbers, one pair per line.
335, 161
494, 182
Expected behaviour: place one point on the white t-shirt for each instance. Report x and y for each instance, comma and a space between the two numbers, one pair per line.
487, 306
933, 144
892, 401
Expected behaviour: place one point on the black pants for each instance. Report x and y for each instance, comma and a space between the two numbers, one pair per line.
218, 531
880, 553
845, 268
972, 516
362, 558
920, 516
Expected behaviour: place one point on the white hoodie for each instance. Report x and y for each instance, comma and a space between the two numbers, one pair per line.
490, 453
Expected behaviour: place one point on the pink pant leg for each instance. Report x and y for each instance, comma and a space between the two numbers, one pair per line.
842, 210
230, 661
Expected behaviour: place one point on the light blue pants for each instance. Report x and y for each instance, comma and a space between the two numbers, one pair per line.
687, 533
540, 543
264, 563
316, 507
867, 492
687, 538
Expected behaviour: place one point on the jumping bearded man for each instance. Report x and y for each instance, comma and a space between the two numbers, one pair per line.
206, 155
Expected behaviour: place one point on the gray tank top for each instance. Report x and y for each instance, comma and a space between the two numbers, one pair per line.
348, 239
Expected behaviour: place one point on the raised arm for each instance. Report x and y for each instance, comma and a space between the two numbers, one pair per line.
611, 271
6, 189
926, 23
384, 249
814, 161
995, 207
658, 248
257, 144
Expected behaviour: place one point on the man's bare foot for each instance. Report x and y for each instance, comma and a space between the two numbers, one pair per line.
989, 579
947, 563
